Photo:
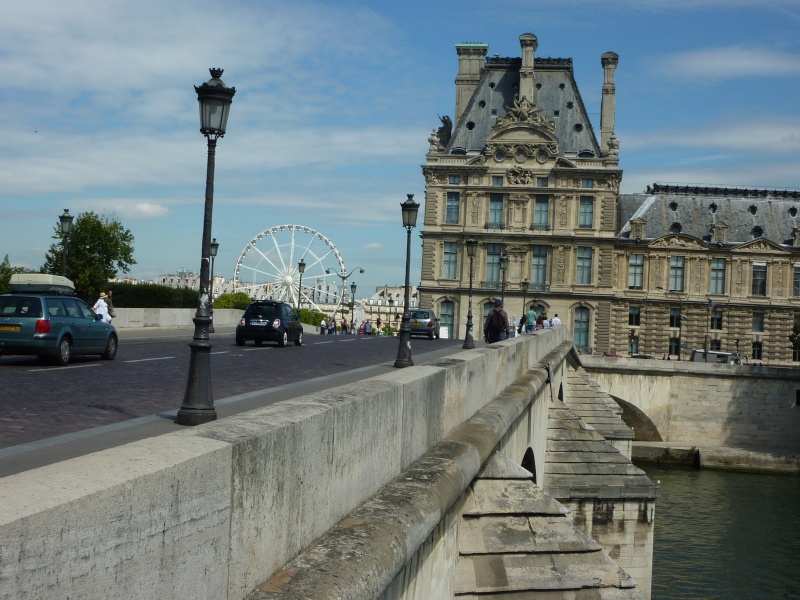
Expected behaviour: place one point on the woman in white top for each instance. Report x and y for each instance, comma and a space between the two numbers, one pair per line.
101, 308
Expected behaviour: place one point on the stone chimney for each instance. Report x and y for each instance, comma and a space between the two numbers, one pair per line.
470, 66
608, 104
527, 89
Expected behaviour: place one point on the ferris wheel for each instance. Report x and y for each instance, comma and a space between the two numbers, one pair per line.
268, 268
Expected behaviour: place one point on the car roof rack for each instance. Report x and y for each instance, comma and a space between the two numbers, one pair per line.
41, 283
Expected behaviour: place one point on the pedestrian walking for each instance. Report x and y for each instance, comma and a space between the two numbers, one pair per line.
495, 327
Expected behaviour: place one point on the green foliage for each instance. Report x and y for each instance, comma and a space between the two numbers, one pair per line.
311, 317
794, 337
239, 301
128, 295
6, 271
98, 248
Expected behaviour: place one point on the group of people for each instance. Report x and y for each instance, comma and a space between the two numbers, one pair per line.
497, 327
329, 327
105, 306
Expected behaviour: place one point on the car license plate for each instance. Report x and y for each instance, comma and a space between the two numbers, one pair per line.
416, 324
9, 327
259, 323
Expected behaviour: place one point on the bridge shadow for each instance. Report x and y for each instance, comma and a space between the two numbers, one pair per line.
644, 428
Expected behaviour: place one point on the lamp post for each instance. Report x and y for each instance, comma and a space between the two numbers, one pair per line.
214, 250
301, 268
353, 288
680, 317
214, 98
410, 209
344, 276
472, 249
66, 229
503, 269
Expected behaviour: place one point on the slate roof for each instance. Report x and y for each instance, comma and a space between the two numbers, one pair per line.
748, 214
496, 90
516, 541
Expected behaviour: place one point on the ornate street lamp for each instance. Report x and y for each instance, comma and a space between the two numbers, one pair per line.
344, 276
353, 288
214, 98
472, 249
301, 268
503, 269
66, 229
214, 250
410, 210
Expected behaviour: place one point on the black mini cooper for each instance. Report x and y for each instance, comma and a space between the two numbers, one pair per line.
269, 321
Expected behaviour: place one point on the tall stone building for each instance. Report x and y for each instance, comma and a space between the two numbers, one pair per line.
520, 170
523, 173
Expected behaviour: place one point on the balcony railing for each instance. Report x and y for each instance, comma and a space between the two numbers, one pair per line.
539, 287
494, 225
540, 226
491, 285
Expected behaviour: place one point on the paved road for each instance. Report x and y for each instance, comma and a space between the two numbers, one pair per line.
48, 413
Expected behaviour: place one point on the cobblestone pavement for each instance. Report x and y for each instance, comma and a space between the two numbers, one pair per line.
38, 401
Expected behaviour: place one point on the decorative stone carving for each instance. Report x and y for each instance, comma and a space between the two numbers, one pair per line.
433, 177
677, 241
525, 111
445, 131
561, 264
637, 228
474, 206
613, 146
520, 176
738, 277
561, 201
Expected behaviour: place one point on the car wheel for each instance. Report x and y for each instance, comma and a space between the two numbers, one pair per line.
239, 340
111, 348
259, 342
284, 340
299, 340
64, 353
430, 335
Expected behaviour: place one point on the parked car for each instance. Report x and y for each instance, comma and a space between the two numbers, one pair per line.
424, 322
42, 317
643, 356
269, 321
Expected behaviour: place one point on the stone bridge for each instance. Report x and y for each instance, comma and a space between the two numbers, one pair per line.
499, 470
698, 404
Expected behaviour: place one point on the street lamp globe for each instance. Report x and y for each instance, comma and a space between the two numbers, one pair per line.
215, 100
66, 222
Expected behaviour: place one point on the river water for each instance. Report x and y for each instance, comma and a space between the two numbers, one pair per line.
725, 535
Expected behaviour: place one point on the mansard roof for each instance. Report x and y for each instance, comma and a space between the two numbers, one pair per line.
557, 96
746, 214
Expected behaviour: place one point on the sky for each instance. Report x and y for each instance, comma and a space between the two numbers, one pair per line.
335, 102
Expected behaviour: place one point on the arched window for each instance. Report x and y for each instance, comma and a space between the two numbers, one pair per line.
581, 329
446, 315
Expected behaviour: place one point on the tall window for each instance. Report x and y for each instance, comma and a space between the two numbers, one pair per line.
758, 322
584, 266
586, 212
716, 345
496, 209
541, 211
633, 344
450, 261
541, 182
716, 319
539, 266
493, 252
497, 181
634, 315
581, 334
675, 316
759, 280
454, 179
758, 348
717, 276
796, 282
447, 310
674, 345
676, 264
635, 271
453, 204
587, 184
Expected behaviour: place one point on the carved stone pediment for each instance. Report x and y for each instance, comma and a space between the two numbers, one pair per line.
525, 111
682, 242
517, 249
760, 245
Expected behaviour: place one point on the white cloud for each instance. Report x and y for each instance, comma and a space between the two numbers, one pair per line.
373, 246
733, 62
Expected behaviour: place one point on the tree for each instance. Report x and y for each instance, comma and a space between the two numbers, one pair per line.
794, 337
98, 248
6, 271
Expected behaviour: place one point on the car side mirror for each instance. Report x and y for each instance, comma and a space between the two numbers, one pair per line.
98, 317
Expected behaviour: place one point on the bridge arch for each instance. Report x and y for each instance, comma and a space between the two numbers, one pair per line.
643, 426
529, 463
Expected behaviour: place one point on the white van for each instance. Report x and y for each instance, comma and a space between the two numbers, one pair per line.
716, 356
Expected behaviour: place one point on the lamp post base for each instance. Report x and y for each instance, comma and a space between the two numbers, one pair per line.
404, 351
198, 402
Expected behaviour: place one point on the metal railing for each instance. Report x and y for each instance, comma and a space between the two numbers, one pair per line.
540, 226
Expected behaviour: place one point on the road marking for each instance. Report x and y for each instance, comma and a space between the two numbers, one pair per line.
62, 368
221, 352
347, 340
323, 342
257, 348
146, 359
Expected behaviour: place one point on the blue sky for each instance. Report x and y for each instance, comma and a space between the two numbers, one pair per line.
334, 105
